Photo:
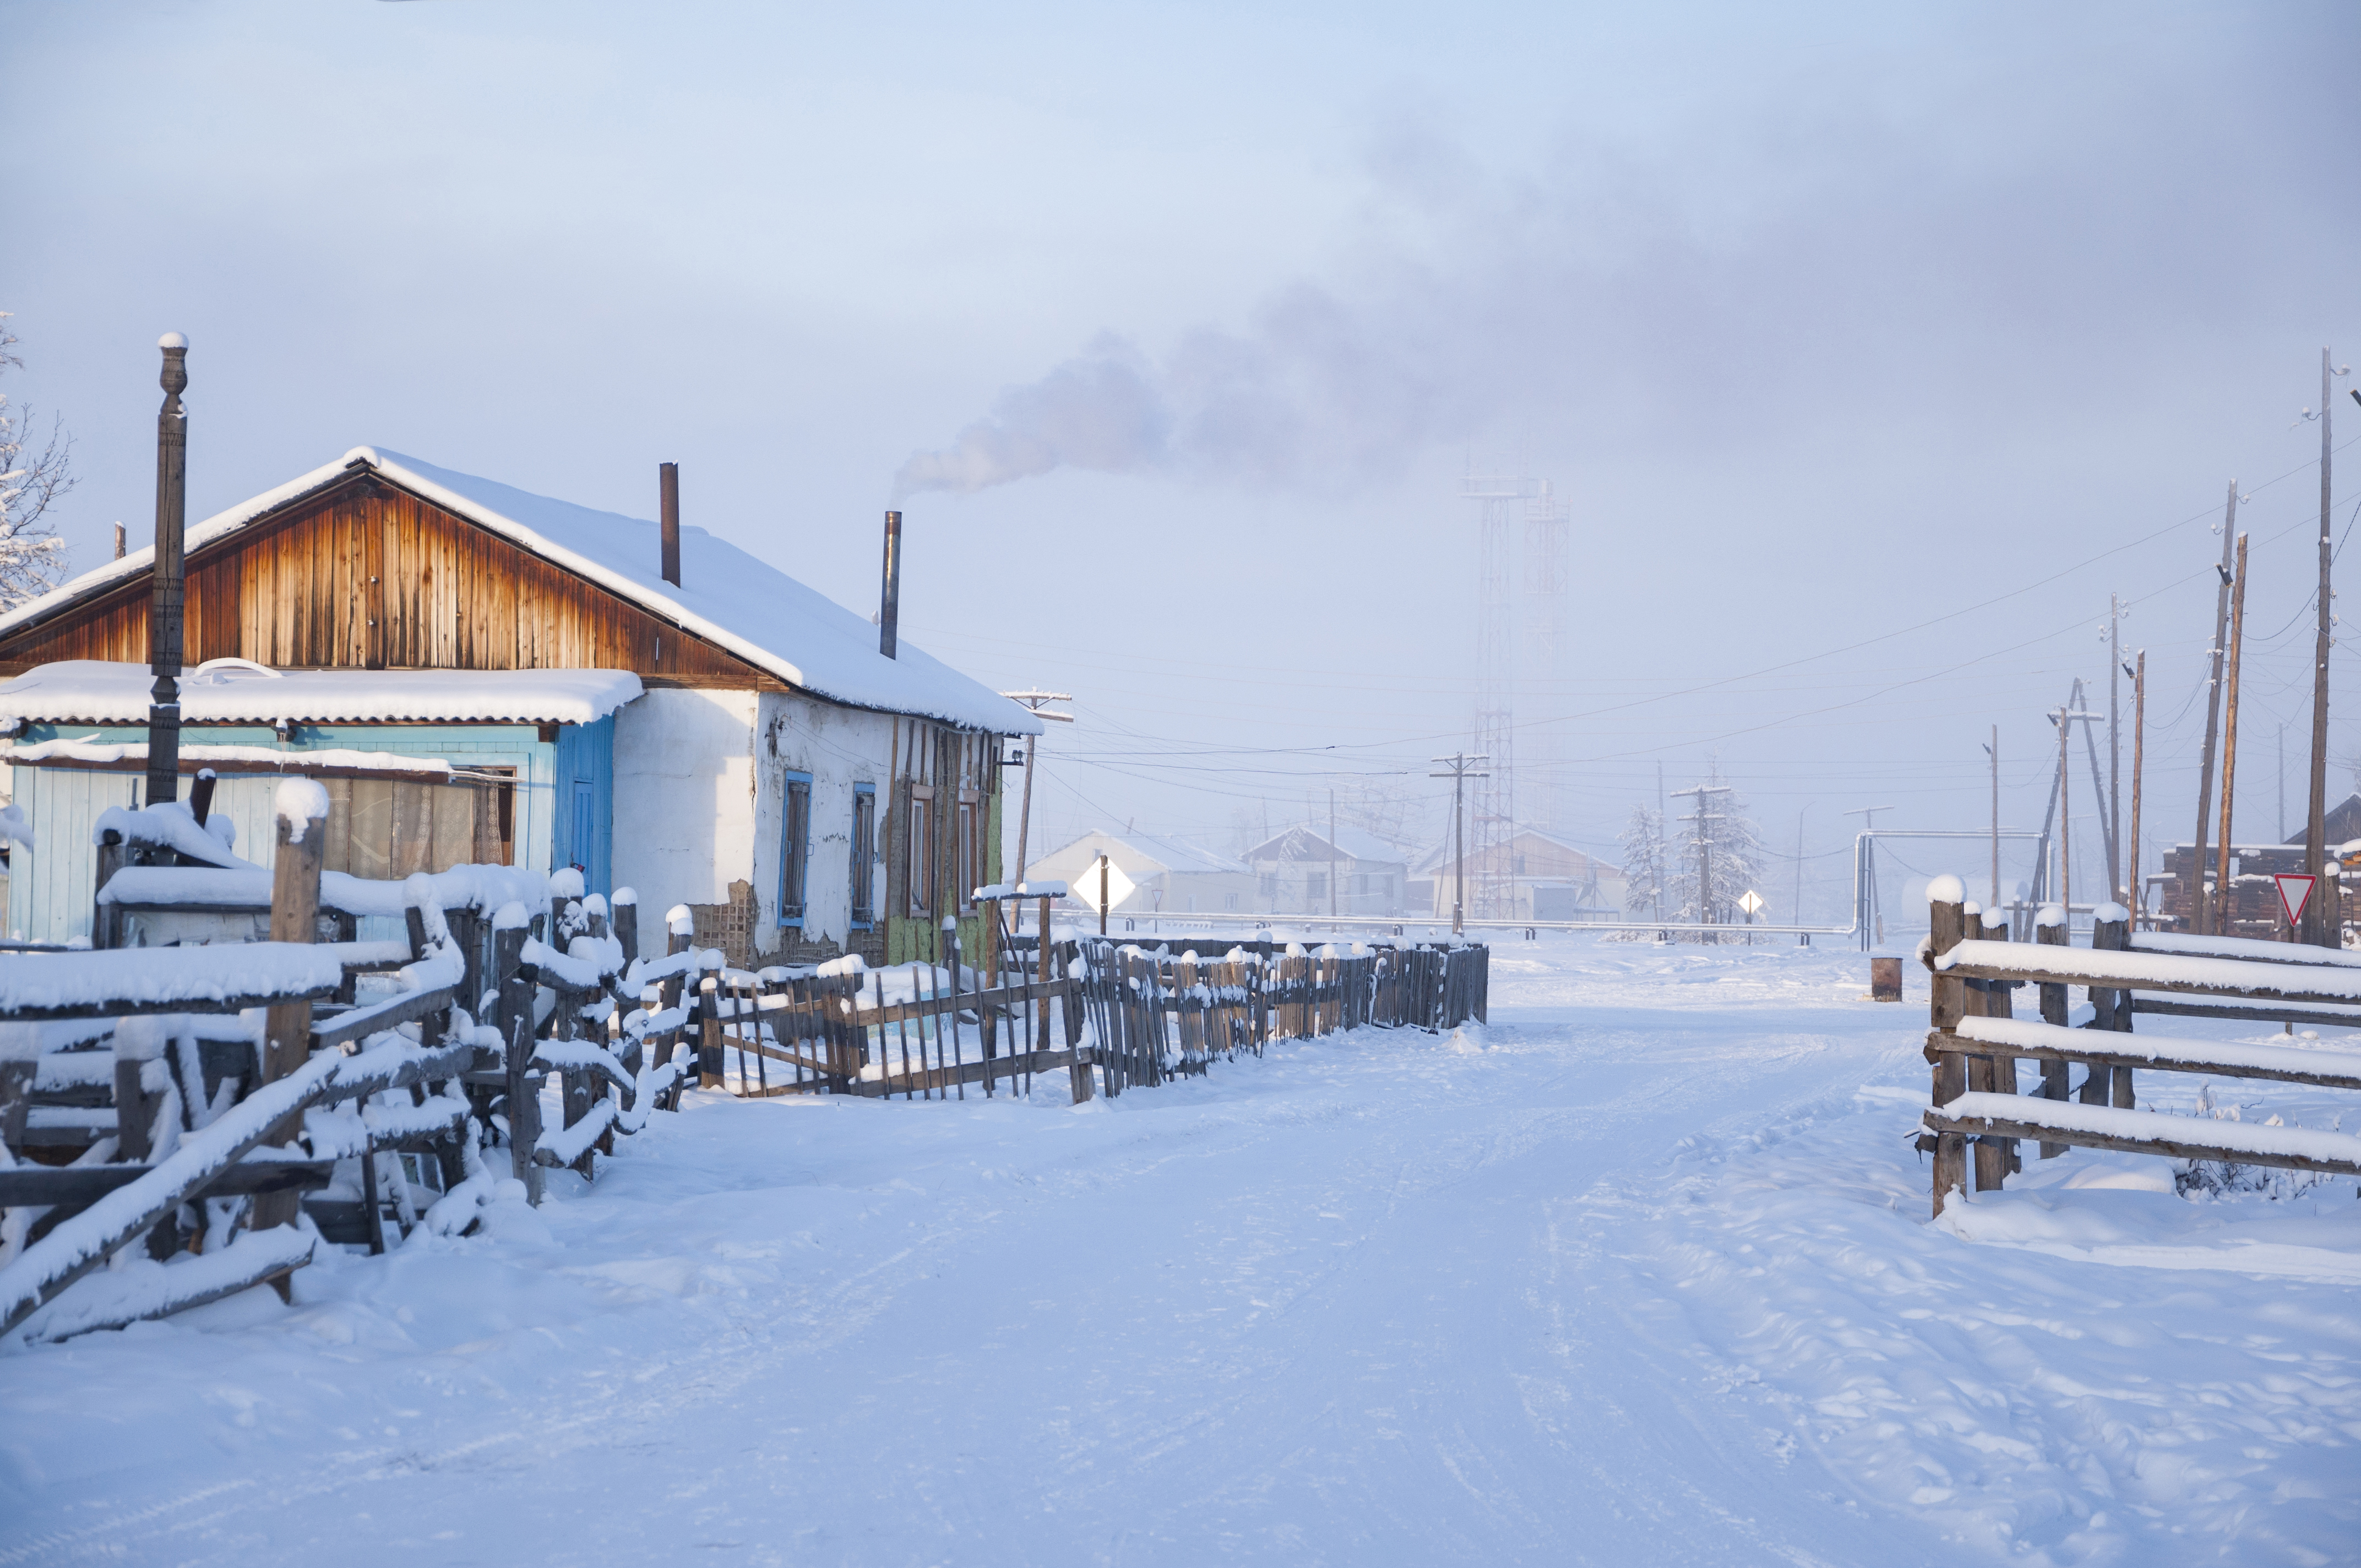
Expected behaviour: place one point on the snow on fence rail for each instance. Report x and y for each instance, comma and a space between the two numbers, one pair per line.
1110, 1015
217, 1106
1976, 1110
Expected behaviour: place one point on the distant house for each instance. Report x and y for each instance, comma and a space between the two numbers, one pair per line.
1146, 873
1547, 878
1293, 871
509, 677
2255, 909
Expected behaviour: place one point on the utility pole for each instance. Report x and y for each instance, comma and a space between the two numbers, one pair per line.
2197, 900
1704, 843
2325, 929
2222, 899
1032, 701
167, 577
1797, 919
2139, 751
1657, 899
1332, 852
1994, 751
2114, 753
1864, 888
1459, 775
2065, 719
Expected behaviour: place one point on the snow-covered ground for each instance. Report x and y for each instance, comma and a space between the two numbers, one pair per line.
1642, 1274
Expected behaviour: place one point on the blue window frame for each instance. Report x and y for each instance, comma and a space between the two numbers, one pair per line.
794, 848
863, 855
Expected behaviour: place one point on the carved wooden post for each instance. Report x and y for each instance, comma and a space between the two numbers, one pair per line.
303, 810
1947, 922
166, 584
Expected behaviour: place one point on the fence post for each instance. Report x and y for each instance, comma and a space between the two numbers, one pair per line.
709, 1066
294, 918
1947, 922
103, 917
2114, 937
1988, 1072
625, 909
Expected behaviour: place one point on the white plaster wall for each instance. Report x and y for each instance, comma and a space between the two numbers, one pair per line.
685, 821
840, 748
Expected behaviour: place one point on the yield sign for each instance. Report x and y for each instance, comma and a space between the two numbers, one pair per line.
2295, 890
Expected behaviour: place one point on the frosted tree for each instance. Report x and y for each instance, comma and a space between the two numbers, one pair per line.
1643, 865
1728, 847
32, 558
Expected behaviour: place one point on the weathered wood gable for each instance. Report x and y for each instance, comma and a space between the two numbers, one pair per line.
366, 576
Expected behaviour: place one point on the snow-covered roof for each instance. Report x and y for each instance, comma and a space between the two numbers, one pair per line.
92, 691
729, 598
1147, 852
1439, 857
1310, 841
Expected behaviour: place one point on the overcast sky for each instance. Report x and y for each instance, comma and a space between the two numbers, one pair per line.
1870, 348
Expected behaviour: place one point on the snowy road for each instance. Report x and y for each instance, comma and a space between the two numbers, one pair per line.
1640, 1275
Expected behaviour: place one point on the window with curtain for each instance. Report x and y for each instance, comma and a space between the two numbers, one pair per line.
970, 849
795, 849
919, 850
864, 856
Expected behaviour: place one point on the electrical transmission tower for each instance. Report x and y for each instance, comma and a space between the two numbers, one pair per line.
1498, 504
1521, 531
1542, 621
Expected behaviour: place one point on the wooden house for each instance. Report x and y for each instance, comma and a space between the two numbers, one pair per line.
1293, 871
484, 674
1547, 878
1146, 874
2255, 908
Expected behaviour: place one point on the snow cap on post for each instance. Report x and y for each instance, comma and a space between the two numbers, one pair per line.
299, 803
679, 922
2050, 915
625, 897
593, 904
510, 916
172, 340
2111, 913
1995, 919
1947, 888
565, 882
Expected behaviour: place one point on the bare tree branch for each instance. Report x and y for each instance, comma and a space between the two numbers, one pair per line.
32, 558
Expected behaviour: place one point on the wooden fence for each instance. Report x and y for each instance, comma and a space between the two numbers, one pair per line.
1155, 1016
1979, 1111
128, 1069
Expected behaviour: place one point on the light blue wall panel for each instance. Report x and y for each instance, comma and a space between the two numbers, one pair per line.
50, 886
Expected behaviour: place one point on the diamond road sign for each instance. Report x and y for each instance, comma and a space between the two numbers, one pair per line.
1751, 901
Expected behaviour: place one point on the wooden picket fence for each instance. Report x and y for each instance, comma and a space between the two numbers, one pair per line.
1155, 1016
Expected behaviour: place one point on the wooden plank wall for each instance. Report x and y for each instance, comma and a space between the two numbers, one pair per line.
951, 761
368, 576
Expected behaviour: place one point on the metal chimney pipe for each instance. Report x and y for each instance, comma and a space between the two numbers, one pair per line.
889, 608
668, 484
165, 599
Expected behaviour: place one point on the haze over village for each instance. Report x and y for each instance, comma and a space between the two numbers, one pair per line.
1077, 784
